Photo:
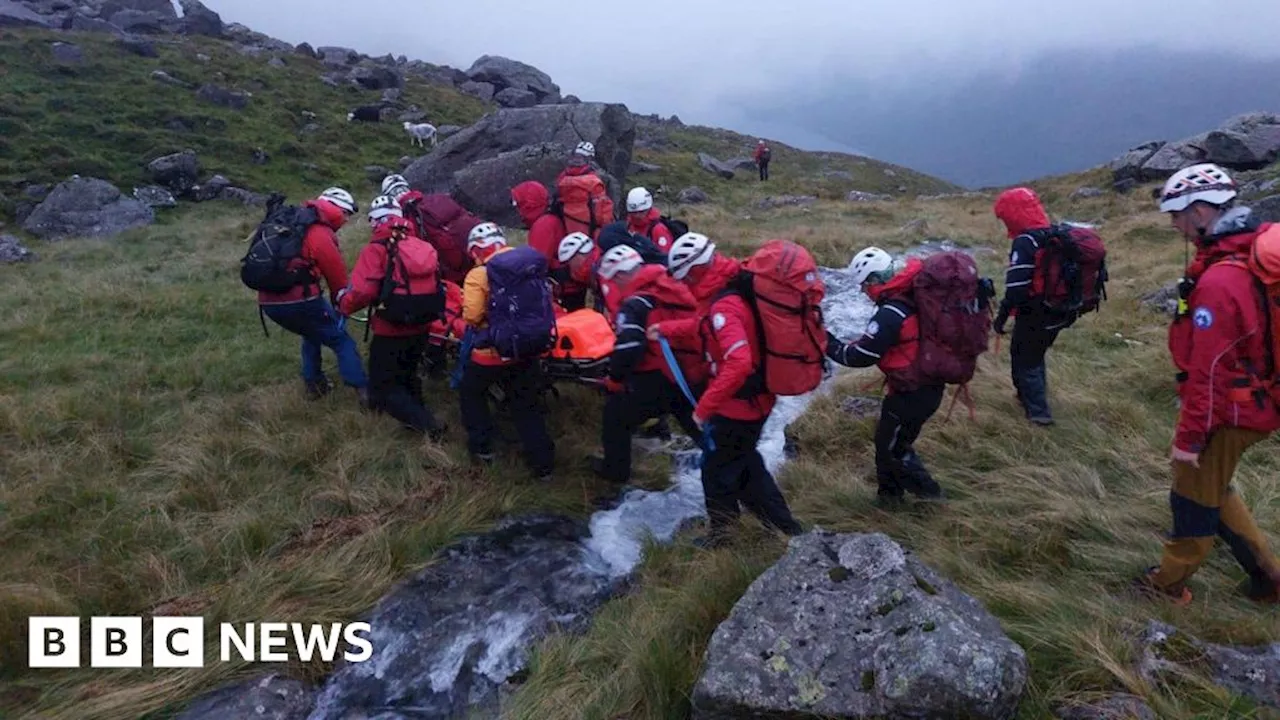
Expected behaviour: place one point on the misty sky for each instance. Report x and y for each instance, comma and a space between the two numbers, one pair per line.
720, 62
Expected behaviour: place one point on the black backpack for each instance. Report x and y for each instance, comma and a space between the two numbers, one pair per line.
677, 227
616, 233
274, 245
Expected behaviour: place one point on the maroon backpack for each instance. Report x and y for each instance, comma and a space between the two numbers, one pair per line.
953, 309
1071, 270
445, 224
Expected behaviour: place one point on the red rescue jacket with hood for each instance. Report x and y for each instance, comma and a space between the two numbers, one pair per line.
1021, 212
366, 283
649, 225
320, 254
1219, 346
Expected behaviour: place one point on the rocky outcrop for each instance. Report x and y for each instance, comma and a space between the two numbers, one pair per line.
854, 626
14, 14
375, 77
482, 91
692, 195
86, 207
178, 172
714, 166
485, 186
67, 54
609, 126
200, 20
1267, 209
1084, 193
1251, 672
1245, 142
155, 197
267, 698
506, 74
512, 97
1116, 707
233, 99
860, 196
12, 251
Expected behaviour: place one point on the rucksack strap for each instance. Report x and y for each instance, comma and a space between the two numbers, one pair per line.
962, 391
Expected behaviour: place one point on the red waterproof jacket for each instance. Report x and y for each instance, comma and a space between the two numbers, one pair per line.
654, 298
452, 325
730, 337
366, 282
714, 279
545, 230
1219, 346
902, 355
320, 253
649, 223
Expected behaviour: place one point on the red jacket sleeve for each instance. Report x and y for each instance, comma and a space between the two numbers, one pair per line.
734, 365
662, 236
366, 279
1219, 319
681, 333
545, 236
322, 248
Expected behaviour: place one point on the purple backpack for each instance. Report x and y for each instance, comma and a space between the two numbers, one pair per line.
522, 321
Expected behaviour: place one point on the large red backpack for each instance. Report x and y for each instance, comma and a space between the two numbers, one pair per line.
1071, 270
1264, 264
781, 285
583, 203
445, 224
953, 311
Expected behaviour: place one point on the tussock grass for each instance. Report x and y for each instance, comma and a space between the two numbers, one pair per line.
158, 456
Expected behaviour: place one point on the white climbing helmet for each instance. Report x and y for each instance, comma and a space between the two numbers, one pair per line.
585, 149
869, 261
687, 252
574, 244
383, 207
485, 235
395, 186
1205, 182
342, 199
639, 200
619, 258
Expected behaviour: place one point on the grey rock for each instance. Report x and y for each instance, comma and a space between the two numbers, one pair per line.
890, 172
305, 50
714, 166
86, 207
210, 190
405, 162
1252, 672
376, 173
260, 156
505, 73
310, 128
137, 21
13, 14
392, 95
200, 20
162, 9
178, 172
234, 99
741, 163
1116, 707
84, 23
919, 226
1125, 186
609, 126
167, 79
462, 624
1087, 192
1267, 209
571, 100
332, 79
692, 196
272, 697
413, 114
67, 54
155, 197
138, 46
376, 77
854, 626
484, 91
276, 62
785, 201
485, 185
861, 407
513, 97
860, 196
1245, 142
643, 167
1259, 187
37, 193
12, 251
1129, 165
445, 131
203, 58
337, 56
242, 196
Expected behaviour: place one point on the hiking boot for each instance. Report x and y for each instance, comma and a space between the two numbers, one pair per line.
1263, 590
1145, 586
1041, 420
317, 389
890, 497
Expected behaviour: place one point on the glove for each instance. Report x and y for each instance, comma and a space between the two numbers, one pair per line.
1001, 318
835, 348
337, 298
613, 387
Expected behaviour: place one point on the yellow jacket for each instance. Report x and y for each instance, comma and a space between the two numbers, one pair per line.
475, 305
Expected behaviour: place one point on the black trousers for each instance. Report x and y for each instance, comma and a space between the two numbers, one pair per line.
734, 472
395, 387
522, 384
764, 171
573, 300
649, 395
902, 417
1033, 335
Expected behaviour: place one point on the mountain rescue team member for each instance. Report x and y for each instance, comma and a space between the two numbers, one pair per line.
578, 256
891, 341
1219, 346
640, 384
693, 259
396, 350
580, 162
546, 231
734, 471
645, 220
1034, 332
451, 325
521, 379
762, 156
303, 311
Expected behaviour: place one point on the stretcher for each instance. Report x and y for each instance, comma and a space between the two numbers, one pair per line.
584, 341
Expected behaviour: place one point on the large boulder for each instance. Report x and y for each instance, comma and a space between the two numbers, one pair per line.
1129, 165
1245, 142
14, 14
1267, 209
86, 207
1252, 672
512, 97
12, 251
178, 172
481, 90
485, 186
137, 21
233, 99
854, 626
200, 20
272, 697
337, 56
162, 8
714, 166
505, 73
375, 77
609, 126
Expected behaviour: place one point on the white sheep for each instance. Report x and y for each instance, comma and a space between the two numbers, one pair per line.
421, 132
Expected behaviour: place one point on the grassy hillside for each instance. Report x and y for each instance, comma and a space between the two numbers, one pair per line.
158, 456
108, 117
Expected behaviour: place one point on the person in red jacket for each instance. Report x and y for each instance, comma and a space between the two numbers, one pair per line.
891, 342
645, 219
731, 413
762, 156
396, 349
546, 232
1219, 345
450, 326
640, 383
693, 259
306, 312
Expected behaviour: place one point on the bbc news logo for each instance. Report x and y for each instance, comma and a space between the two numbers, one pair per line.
178, 642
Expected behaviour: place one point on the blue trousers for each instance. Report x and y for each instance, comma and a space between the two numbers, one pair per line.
317, 323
